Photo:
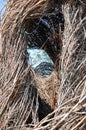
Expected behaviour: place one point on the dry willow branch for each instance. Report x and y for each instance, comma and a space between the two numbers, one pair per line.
18, 97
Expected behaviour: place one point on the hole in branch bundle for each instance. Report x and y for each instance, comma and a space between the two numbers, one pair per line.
44, 45
45, 33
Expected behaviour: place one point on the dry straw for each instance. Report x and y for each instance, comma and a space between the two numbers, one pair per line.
18, 96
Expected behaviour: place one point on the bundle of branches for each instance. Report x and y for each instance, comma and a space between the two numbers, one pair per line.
19, 85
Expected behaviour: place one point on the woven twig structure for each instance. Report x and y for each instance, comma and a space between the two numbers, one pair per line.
19, 86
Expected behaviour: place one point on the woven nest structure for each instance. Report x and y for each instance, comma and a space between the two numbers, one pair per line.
29, 101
